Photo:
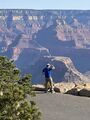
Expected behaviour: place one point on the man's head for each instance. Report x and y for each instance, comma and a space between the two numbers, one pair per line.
48, 65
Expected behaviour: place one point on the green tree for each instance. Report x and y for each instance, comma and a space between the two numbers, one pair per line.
14, 91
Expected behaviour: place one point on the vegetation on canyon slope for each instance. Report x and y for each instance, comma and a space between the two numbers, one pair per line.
14, 90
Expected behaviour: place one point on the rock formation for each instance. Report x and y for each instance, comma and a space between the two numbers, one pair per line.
78, 89
65, 70
35, 33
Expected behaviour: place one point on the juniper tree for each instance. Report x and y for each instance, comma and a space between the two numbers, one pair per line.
13, 93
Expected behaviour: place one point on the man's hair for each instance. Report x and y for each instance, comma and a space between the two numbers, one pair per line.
48, 65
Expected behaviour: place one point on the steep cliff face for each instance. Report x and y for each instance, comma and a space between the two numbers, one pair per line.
36, 33
64, 70
69, 25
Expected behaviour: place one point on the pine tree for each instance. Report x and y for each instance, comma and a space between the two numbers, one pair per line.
14, 90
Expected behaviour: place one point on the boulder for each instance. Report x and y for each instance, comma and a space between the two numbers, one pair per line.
73, 91
63, 87
57, 89
87, 85
84, 92
38, 87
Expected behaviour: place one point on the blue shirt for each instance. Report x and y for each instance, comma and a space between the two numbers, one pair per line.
47, 72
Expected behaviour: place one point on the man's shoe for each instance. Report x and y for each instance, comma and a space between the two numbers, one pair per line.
48, 90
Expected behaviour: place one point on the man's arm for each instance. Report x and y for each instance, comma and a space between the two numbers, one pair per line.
53, 67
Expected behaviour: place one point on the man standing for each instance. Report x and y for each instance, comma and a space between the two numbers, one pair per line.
48, 77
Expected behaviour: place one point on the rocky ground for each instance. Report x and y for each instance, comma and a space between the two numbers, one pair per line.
78, 89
